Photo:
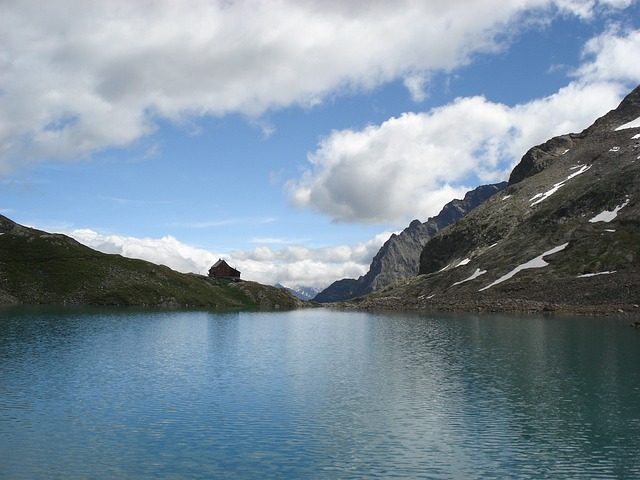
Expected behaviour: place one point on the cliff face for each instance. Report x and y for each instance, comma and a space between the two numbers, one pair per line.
565, 233
398, 258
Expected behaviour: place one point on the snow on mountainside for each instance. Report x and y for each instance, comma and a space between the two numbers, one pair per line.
303, 293
632, 124
564, 235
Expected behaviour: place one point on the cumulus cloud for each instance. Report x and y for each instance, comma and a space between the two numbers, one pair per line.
408, 167
162, 251
612, 57
405, 167
77, 76
302, 266
586, 9
290, 266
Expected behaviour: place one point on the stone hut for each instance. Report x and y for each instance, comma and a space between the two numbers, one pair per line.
222, 269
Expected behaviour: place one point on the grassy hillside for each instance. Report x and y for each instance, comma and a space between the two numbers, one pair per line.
41, 268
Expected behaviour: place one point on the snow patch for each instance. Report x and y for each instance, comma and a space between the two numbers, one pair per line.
543, 196
462, 262
636, 136
566, 151
537, 262
607, 215
547, 194
505, 197
632, 124
586, 275
474, 275
614, 149
583, 168
611, 230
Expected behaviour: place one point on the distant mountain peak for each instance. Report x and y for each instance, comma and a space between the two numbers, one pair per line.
301, 292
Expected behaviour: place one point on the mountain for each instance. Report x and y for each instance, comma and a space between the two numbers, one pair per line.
398, 258
37, 267
303, 293
563, 236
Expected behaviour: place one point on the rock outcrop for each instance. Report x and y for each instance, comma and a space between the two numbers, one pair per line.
563, 236
398, 258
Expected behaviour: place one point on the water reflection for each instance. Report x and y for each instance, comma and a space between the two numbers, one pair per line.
314, 394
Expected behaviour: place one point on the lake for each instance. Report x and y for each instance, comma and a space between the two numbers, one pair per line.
318, 393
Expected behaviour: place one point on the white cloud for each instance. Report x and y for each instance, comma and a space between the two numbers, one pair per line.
163, 251
311, 267
612, 57
291, 266
77, 76
409, 167
415, 83
402, 168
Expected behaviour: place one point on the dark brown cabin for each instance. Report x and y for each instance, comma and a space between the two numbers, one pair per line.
221, 269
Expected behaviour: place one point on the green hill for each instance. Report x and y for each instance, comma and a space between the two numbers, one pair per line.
37, 267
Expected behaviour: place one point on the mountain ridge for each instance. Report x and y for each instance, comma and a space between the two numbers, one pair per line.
397, 259
541, 245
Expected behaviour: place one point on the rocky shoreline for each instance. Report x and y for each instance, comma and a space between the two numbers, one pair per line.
609, 295
507, 306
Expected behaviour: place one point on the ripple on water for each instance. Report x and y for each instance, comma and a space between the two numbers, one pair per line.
315, 394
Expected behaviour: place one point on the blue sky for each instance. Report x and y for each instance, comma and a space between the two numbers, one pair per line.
290, 138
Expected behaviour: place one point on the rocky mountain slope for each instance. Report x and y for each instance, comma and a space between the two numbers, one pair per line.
398, 258
563, 236
37, 267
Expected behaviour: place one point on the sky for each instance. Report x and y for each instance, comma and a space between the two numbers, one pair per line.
290, 138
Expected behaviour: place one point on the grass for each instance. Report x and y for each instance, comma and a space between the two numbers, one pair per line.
41, 268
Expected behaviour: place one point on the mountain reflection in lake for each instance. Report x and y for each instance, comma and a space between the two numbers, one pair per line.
119, 393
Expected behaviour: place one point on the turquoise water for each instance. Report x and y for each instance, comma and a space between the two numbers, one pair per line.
116, 393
